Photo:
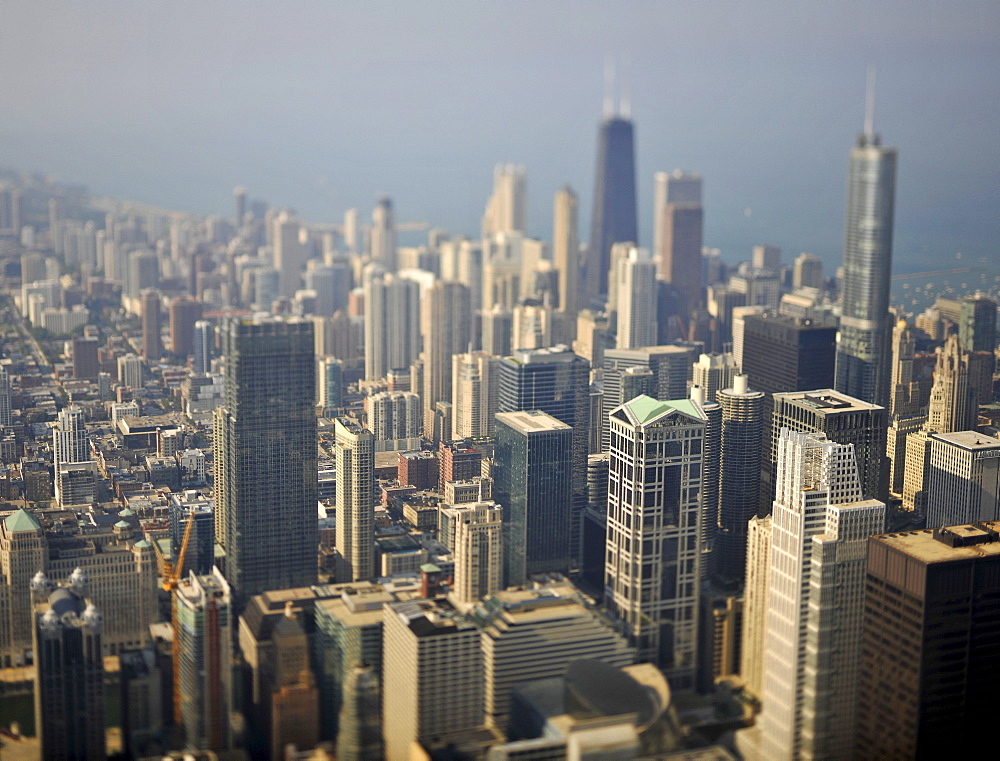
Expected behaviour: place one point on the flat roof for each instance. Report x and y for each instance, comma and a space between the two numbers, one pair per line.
826, 400
532, 420
971, 440
966, 541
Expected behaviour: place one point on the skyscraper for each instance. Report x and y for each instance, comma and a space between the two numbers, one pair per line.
289, 255
184, 315
963, 479
69, 671
204, 343
204, 651
506, 209
863, 345
654, 522
532, 468
635, 290
474, 387
433, 661
566, 251
355, 500
265, 456
383, 247
557, 382
845, 421
713, 373
739, 475
679, 223
446, 320
5, 414
614, 213
931, 675
152, 347
392, 322
814, 606
478, 550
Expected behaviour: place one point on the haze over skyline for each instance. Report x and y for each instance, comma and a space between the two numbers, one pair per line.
324, 108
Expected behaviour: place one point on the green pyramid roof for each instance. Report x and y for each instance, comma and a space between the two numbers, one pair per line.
21, 520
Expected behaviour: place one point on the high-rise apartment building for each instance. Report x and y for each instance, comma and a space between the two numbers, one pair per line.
446, 320
478, 550
69, 671
654, 521
265, 456
392, 323
474, 388
635, 289
963, 479
152, 346
130, 371
566, 251
394, 418
555, 381
930, 675
614, 218
739, 476
532, 470
819, 527
355, 500
680, 223
204, 652
863, 344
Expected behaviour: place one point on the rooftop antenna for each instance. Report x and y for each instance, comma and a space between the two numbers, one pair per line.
625, 106
870, 103
609, 87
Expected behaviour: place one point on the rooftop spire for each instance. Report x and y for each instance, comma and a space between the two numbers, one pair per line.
870, 104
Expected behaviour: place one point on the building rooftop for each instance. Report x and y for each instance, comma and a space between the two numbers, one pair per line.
826, 401
970, 440
533, 420
21, 520
645, 409
951, 543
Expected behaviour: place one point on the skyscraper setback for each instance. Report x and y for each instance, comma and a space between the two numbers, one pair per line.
863, 348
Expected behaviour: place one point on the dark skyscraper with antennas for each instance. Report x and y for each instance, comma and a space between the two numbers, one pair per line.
614, 216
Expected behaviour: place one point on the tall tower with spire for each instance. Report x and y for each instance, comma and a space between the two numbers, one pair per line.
863, 346
614, 217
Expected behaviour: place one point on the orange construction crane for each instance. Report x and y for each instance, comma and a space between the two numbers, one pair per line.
171, 578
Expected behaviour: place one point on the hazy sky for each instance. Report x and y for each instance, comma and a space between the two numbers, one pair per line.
324, 106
